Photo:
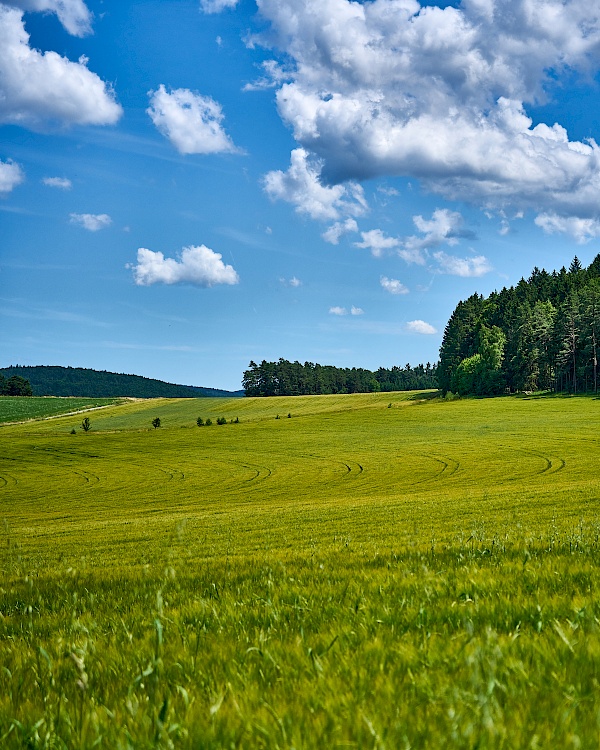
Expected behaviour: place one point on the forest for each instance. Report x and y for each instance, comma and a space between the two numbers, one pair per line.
541, 334
15, 386
284, 378
77, 381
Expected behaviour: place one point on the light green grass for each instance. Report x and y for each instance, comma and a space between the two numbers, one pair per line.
356, 575
21, 408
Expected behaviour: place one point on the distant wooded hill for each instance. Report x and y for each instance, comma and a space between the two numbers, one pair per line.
77, 381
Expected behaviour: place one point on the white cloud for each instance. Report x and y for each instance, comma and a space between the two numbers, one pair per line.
91, 222
63, 183
37, 88
216, 6
389, 87
293, 282
198, 265
190, 121
377, 242
11, 175
466, 267
583, 230
356, 310
336, 231
445, 226
73, 14
301, 185
420, 326
393, 286
338, 310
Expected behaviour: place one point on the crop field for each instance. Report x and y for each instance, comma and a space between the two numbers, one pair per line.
365, 571
38, 407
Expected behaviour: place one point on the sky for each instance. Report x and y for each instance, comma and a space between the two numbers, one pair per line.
186, 186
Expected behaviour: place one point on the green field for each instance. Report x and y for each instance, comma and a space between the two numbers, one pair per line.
374, 571
17, 409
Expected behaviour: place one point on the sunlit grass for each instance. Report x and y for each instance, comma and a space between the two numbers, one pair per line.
355, 575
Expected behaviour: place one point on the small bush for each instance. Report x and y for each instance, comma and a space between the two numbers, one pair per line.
221, 420
208, 422
277, 417
86, 425
156, 423
289, 416
73, 431
200, 422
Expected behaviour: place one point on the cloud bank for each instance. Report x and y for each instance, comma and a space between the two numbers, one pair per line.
391, 87
190, 121
197, 265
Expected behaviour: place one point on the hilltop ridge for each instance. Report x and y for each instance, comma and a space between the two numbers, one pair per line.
51, 380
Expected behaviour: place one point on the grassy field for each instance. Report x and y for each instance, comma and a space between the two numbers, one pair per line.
373, 571
39, 407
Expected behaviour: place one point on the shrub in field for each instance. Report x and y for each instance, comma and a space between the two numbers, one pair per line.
208, 422
221, 420
73, 431
200, 422
86, 425
156, 422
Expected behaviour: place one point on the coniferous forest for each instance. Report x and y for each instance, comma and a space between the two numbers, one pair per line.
542, 334
284, 378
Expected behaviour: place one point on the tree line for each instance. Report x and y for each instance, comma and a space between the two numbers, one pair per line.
284, 378
542, 334
15, 386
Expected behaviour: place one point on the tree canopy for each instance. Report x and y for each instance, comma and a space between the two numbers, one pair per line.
541, 334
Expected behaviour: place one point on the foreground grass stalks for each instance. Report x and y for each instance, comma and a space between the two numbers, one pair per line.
477, 645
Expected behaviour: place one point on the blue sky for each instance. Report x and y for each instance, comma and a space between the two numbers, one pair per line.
189, 185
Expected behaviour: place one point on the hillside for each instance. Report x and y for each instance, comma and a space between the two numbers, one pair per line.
78, 381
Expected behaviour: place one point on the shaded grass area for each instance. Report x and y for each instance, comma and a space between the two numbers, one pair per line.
20, 408
418, 576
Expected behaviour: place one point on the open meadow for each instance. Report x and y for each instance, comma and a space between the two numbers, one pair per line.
371, 571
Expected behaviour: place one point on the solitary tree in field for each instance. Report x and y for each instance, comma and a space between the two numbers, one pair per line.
86, 425
156, 422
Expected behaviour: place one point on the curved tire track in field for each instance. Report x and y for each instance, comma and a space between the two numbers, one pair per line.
449, 466
7, 479
66, 463
551, 466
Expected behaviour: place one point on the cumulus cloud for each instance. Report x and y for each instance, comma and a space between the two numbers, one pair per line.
301, 186
91, 222
466, 267
40, 87
197, 265
444, 227
73, 14
216, 6
393, 286
356, 310
377, 242
336, 310
11, 175
390, 87
583, 230
190, 121
63, 183
336, 231
420, 326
